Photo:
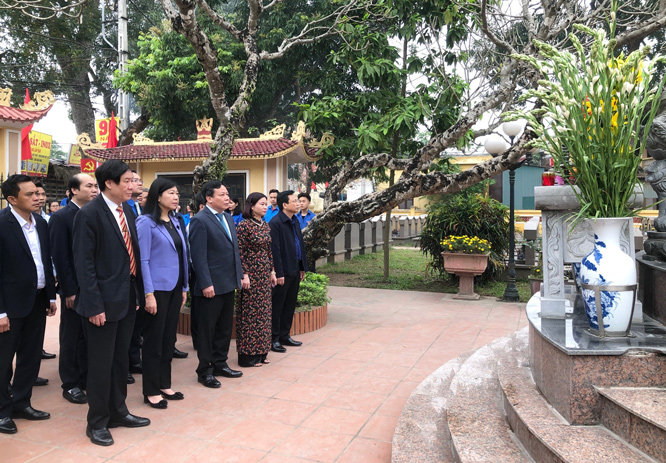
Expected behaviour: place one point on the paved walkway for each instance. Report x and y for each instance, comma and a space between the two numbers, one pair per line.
335, 399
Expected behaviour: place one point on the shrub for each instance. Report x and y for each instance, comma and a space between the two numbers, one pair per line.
466, 214
313, 291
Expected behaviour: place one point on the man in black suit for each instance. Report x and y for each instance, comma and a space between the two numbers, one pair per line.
27, 295
216, 263
107, 265
73, 350
290, 265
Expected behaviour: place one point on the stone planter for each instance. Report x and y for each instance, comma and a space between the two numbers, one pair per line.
466, 266
304, 322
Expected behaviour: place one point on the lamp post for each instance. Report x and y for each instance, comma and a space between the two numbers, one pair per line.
512, 129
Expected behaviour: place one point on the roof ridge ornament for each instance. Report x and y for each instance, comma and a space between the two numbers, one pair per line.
140, 139
300, 132
84, 141
5, 96
204, 128
326, 140
275, 133
40, 101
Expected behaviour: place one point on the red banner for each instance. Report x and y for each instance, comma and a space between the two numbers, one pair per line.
88, 166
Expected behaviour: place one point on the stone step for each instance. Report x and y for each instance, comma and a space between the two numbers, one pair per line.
419, 435
638, 415
475, 419
544, 434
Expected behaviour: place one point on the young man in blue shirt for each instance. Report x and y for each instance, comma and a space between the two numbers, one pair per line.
273, 208
304, 215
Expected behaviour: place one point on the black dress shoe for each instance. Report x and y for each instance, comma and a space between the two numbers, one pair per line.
174, 396
227, 372
41, 381
137, 368
162, 404
130, 379
7, 426
29, 413
75, 395
99, 436
129, 421
209, 381
277, 347
47, 356
290, 342
179, 354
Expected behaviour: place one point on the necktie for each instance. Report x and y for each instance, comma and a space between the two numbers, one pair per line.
128, 239
224, 223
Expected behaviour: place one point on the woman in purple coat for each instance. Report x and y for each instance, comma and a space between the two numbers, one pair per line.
164, 265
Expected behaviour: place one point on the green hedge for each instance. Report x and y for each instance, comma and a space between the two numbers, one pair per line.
313, 292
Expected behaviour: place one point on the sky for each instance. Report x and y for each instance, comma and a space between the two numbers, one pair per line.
58, 124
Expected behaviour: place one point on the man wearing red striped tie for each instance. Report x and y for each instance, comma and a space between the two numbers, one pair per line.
106, 258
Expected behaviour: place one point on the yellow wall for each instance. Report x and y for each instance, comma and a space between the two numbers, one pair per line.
255, 168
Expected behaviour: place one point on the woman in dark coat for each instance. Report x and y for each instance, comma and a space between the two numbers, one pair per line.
253, 304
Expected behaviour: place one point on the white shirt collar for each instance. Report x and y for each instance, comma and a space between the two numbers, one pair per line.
109, 203
20, 219
213, 210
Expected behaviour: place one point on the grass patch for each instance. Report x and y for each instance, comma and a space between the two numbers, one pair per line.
408, 273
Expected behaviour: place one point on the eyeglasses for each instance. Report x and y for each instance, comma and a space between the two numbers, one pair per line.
137, 180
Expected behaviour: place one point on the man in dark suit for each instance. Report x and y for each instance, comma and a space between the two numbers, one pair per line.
106, 260
216, 263
73, 359
290, 265
27, 295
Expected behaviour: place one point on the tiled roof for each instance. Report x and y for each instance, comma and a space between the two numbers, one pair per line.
7, 113
197, 150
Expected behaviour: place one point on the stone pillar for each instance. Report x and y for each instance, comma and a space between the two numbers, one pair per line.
336, 248
378, 235
365, 237
351, 240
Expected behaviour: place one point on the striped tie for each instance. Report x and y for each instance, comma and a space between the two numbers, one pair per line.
128, 240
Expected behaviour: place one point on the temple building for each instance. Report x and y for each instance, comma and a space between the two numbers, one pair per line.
256, 164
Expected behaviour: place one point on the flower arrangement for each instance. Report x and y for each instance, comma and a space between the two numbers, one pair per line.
594, 116
465, 244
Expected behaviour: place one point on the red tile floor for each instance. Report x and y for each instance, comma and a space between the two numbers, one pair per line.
335, 399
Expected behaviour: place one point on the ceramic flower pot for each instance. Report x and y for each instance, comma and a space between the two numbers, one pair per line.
466, 266
607, 266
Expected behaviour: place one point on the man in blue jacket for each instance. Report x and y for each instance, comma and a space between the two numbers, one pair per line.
290, 265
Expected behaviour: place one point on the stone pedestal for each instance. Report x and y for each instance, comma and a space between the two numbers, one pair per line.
568, 363
564, 244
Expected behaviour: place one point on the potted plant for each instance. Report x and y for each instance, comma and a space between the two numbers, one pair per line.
594, 116
465, 257
312, 305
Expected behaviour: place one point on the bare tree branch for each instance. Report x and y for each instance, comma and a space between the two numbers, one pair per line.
219, 20
314, 31
642, 32
43, 10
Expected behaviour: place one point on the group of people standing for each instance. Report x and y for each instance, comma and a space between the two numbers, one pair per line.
112, 266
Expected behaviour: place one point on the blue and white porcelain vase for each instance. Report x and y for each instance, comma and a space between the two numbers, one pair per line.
608, 265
